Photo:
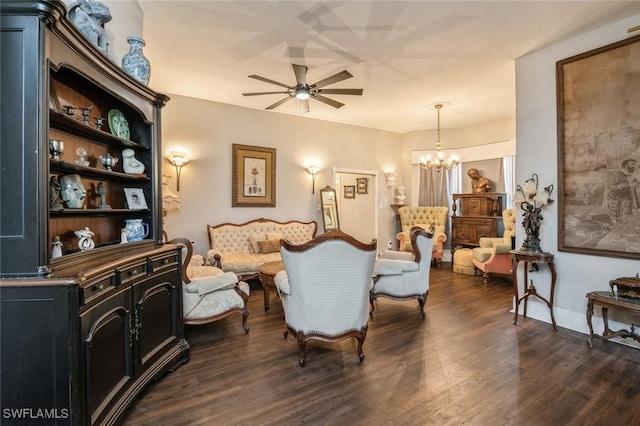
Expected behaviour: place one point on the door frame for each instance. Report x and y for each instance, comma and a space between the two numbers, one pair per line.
374, 173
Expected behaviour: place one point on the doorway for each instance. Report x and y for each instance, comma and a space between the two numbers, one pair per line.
357, 207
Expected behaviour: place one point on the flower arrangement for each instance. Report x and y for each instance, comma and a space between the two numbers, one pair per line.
531, 202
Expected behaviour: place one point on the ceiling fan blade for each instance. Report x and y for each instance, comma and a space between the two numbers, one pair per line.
343, 75
301, 73
266, 80
341, 91
262, 93
328, 101
304, 105
280, 102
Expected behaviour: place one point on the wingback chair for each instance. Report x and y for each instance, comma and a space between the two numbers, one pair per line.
423, 217
324, 289
208, 293
404, 279
493, 257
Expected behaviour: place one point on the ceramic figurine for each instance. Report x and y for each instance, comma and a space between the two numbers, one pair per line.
131, 164
123, 236
73, 191
54, 193
400, 197
85, 243
56, 250
89, 17
102, 193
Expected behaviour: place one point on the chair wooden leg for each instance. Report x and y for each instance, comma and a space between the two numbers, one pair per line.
422, 300
360, 340
485, 277
245, 315
302, 346
372, 298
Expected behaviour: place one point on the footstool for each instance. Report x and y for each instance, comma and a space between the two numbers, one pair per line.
463, 262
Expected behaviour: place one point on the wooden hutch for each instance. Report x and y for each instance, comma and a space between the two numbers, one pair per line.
82, 333
480, 215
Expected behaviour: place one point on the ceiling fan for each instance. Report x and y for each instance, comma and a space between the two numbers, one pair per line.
304, 91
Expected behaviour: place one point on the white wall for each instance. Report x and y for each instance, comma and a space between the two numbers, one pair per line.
207, 130
536, 145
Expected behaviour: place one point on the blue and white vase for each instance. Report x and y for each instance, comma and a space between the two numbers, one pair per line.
135, 63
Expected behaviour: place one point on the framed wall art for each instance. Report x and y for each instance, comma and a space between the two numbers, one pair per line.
362, 185
135, 198
349, 191
253, 181
598, 95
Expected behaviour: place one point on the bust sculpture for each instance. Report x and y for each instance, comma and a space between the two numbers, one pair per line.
399, 195
89, 17
478, 183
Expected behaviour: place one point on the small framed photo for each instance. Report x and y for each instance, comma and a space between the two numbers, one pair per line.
362, 185
349, 191
135, 199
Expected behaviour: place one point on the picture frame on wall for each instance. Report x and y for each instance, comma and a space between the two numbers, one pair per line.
349, 191
362, 185
135, 199
598, 96
253, 180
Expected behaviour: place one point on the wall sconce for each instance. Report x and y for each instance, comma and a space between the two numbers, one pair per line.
178, 160
391, 179
313, 168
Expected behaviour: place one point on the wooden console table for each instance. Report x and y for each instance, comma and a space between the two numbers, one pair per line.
528, 257
267, 273
607, 300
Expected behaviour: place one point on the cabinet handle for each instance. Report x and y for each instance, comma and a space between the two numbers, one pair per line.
165, 262
134, 272
98, 287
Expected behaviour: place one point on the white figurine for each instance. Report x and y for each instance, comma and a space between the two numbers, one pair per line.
123, 236
130, 164
400, 197
56, 250
85, 235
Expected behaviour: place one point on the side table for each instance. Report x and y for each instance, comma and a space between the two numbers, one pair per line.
528, 257
267, 273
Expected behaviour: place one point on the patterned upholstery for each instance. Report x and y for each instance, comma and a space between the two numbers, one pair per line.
324, 289
230, 247
209, 294
403, 279
493, 254
423, 217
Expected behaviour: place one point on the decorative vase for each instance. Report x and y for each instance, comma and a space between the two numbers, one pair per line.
135, 63
136, 230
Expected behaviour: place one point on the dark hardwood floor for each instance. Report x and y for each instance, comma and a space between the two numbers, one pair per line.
466, 363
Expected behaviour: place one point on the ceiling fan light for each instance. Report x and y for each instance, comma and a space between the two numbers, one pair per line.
302, 93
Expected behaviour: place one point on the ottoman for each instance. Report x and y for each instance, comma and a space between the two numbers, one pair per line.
463, 262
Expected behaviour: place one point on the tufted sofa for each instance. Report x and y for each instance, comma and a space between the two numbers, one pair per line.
243, 248
423, 217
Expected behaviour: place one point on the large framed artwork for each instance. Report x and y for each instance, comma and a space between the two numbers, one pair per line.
599, 151
253, 181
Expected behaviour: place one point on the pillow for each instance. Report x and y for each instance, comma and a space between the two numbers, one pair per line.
254, 238
268, 246
274, 236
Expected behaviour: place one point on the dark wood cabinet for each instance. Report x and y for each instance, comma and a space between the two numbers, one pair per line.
476, 216
81, 334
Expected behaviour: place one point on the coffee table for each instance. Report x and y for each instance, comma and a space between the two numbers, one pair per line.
266, 273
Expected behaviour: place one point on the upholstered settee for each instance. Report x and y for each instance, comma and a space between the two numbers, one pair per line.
243, 248
423, 217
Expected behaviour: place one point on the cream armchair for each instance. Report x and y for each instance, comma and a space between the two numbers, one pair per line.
208, 293
402, 277
493, 257
324, 289
423, 217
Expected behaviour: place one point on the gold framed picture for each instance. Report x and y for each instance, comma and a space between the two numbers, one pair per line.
349, 191
253, 181
362, 185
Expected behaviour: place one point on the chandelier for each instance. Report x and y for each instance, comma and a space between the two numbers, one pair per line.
439, 162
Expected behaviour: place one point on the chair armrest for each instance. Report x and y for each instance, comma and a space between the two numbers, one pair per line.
397, 255
281, 281
394, 267
490, 242
213, 257
204, 285
502, 248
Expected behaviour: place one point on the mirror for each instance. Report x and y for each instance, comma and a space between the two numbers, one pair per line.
329, 208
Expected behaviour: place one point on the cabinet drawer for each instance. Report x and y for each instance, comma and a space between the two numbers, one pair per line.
133, 272
164, 262
485, 230
97, 288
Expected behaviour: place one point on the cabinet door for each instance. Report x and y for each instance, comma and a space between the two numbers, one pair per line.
462, 231
158, 321
106, 352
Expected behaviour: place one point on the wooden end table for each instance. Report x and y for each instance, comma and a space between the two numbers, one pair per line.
528, 257
266, 273
606, 300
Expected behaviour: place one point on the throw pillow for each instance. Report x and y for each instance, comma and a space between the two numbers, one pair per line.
268, 246
254, 238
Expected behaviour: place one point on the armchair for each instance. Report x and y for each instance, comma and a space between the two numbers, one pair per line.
324, 289
404, 279
423, 217
208, 293
493, 257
